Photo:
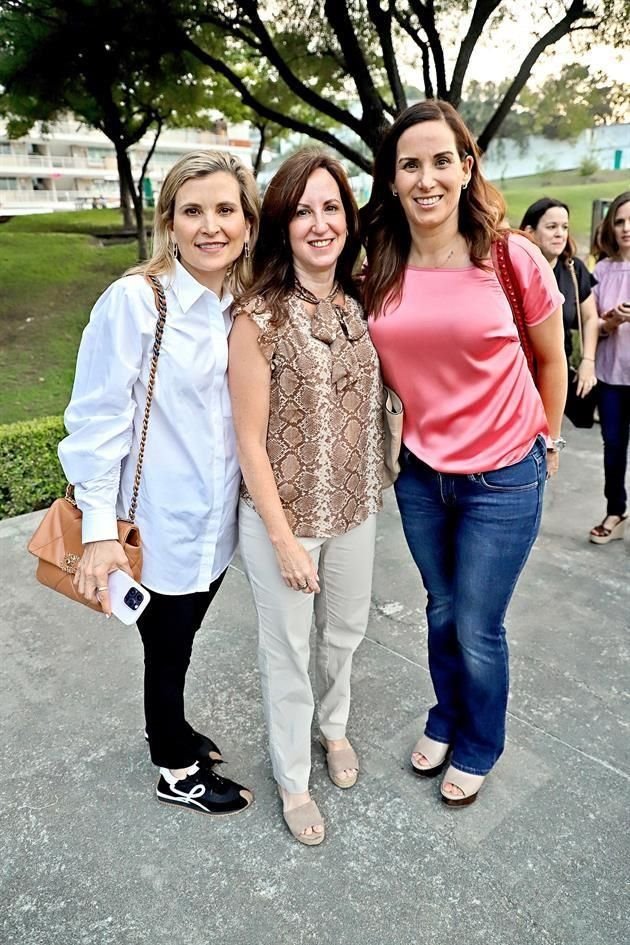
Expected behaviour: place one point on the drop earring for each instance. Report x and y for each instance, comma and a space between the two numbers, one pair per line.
465, 185
246, 249
174, 250
394, 193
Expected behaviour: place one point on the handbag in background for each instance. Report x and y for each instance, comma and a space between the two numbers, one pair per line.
58, 541
579, 410
393, 415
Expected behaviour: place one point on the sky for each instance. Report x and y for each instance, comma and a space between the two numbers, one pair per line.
508, 42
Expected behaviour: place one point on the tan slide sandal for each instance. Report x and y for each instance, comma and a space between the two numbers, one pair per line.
298, 819
340, 761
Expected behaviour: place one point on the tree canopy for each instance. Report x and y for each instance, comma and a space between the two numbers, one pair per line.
338, 72
106, 61
345, 60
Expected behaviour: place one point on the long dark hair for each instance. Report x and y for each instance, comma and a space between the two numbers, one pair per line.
607, 244
273, 262
536, 212
385, 229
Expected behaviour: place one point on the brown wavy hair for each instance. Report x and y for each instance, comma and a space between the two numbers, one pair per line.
533, 215
385, 229
273, 274
607, 245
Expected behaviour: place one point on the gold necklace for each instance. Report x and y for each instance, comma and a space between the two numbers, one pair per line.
440, 265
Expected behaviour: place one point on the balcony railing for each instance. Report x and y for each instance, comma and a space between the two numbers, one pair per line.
38, 161
70, 198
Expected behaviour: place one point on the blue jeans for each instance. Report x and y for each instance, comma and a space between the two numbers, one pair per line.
470, 536
614, 415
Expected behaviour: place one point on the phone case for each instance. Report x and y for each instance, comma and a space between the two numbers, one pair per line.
127, 597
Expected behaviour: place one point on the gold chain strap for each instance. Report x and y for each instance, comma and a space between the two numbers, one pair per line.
576, 289
160, 303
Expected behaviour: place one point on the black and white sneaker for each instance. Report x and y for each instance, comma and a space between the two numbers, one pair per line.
203, 790
206, 748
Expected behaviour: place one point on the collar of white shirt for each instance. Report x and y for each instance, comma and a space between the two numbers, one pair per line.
187, 290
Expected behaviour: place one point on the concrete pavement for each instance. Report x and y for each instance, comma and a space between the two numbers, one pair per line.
89, 857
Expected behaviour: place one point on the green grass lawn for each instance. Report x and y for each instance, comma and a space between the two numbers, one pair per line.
66, 221
48, 284
52, 271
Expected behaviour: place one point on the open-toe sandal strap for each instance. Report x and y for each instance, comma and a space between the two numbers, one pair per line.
342, 760
434, 752
467, 783
306, 815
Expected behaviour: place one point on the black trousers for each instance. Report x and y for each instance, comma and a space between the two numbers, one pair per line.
168, 627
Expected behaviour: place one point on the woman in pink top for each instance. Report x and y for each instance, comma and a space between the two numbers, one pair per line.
479, 437
612, 295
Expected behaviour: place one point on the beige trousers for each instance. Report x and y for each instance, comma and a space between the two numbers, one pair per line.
341, 612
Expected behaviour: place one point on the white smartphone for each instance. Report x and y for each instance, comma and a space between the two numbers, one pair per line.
127, 597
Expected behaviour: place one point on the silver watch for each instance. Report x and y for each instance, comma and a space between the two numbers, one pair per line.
557, 445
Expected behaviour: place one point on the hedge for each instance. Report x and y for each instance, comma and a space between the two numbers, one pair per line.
30, 474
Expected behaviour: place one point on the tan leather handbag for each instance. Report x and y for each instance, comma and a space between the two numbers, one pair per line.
393, 425
57, 542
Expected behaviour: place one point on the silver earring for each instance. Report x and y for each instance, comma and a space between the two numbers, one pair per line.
465, 185
394, 193
246, 249
174, 250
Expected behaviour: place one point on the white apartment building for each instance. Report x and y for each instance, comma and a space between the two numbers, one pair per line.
69, 166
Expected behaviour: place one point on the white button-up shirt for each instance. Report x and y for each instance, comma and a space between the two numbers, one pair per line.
190, 479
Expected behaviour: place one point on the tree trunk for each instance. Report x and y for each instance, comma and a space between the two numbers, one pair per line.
125, 197
124, 165
126, 206
261, 128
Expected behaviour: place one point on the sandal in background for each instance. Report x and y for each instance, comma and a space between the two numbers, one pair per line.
601, 535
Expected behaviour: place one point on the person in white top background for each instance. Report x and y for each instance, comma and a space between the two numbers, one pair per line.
206, 222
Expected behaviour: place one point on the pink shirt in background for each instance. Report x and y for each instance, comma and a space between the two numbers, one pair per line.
450, 350
612, 361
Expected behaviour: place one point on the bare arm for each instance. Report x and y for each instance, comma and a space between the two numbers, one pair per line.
249, 379
590, 329
611, 320
547, 341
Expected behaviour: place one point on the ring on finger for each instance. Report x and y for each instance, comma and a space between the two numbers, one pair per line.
106, 588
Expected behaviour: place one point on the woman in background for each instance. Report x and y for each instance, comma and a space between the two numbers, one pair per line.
612, 296
547, 222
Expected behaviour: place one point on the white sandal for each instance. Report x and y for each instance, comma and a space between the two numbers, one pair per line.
434, 752
468, 784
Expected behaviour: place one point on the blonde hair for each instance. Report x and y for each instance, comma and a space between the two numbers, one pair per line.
199, 164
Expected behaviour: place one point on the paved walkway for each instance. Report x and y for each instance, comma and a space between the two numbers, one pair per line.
89, 857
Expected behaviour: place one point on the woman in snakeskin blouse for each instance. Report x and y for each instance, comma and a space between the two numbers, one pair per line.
306, 396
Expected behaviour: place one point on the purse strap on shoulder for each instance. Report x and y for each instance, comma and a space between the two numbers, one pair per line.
578, 310
506, 275
160, 304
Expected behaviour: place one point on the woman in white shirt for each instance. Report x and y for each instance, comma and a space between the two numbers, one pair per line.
206, 219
